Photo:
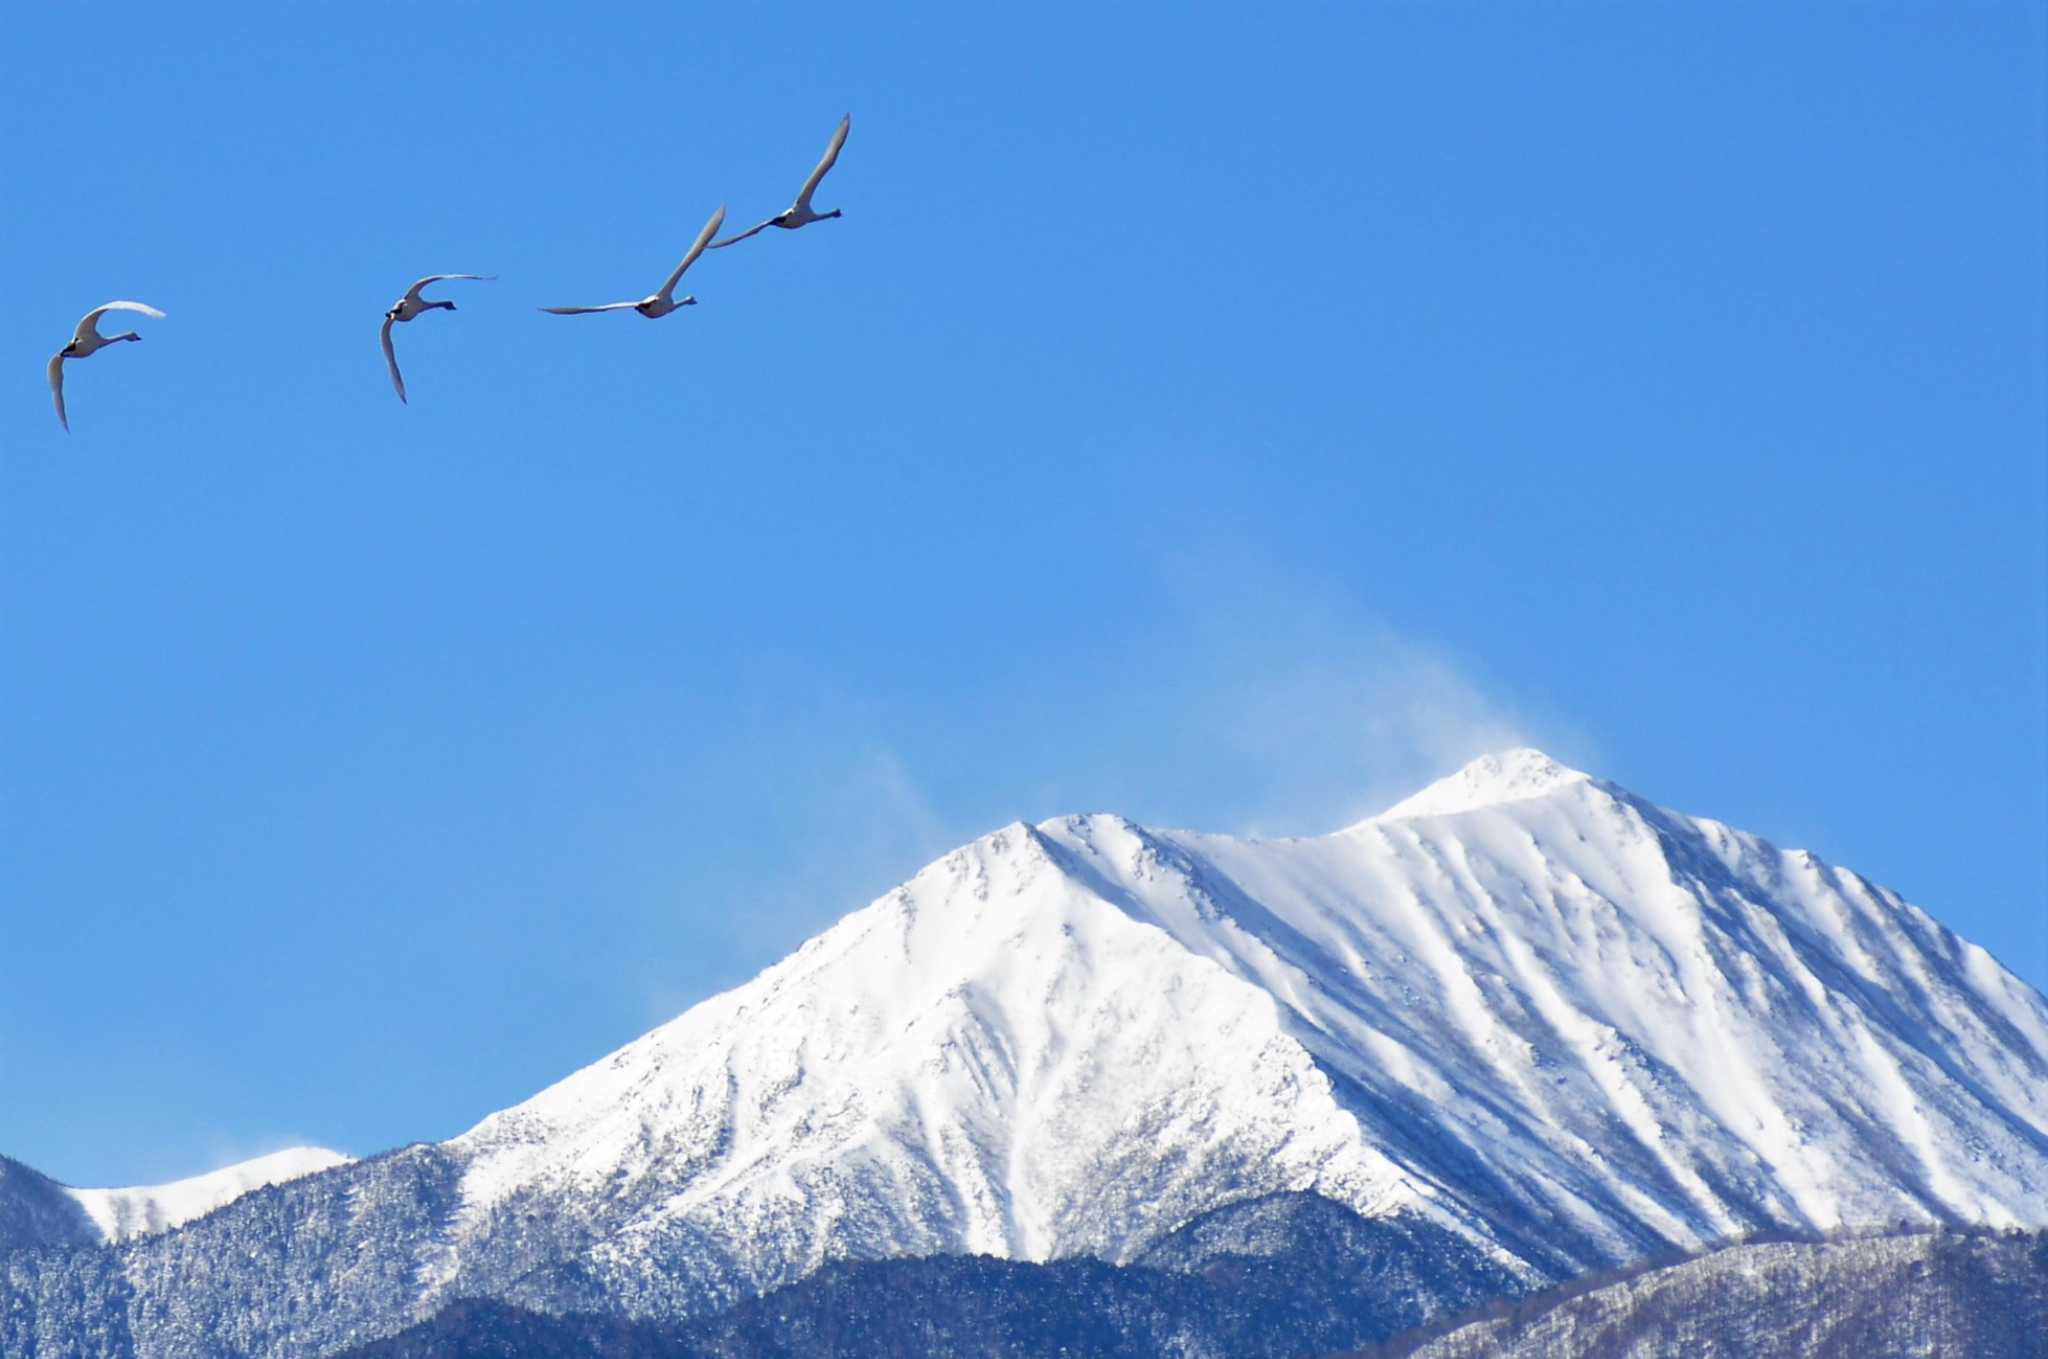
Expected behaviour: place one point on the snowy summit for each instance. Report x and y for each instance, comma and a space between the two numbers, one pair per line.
1509, 776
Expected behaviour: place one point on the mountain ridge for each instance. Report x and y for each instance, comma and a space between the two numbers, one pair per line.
123, 1213
37, 1210
1245, 1293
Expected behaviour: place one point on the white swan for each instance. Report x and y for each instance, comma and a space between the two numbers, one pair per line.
661, 303
88, 340
405, 309
799, 213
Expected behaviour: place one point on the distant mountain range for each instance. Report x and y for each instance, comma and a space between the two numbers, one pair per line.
1522, 1026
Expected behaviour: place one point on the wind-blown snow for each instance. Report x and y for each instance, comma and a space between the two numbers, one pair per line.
1571, 1025
121, 1214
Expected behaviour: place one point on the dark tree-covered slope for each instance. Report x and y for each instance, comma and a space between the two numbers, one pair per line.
1968, 1294
1275, 1277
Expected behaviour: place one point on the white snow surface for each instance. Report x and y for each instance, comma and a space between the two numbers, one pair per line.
1522, 1003
1509, 776
123, 1214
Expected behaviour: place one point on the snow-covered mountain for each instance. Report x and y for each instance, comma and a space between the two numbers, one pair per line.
36, 1210
1522, 1007
1523, 1003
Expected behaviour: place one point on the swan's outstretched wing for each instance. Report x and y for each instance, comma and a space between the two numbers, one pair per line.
585, 311
57, 389
803, 196
391, 356
732, 240
412, 294
697, 248
89, 324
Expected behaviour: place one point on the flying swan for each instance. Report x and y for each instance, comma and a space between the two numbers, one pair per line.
87, 340
799, 213
405, 309
660, 303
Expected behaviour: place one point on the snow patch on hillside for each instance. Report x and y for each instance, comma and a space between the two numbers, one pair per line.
123, 1214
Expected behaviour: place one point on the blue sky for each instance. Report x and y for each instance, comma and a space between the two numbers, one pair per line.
1232, 421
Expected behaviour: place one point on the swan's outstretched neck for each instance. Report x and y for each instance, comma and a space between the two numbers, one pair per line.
444, 306
130, 335
834, 213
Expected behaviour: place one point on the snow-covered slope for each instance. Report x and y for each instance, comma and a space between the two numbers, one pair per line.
1522, 1003
121, 1214
994, 1058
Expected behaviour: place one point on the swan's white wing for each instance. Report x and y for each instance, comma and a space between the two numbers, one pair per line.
57, 389
413, 293
803, 197
730, 240
391, 360
89, 324
697, 248
585, 311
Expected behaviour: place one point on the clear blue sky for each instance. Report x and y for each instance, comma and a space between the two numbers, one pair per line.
1232, 421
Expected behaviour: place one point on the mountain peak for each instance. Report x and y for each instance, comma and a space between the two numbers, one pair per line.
1508, 776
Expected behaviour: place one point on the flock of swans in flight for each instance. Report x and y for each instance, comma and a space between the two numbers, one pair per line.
87, 340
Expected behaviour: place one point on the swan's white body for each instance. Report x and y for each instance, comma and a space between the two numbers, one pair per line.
663, 301
800, 213
405, 309
86, 340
